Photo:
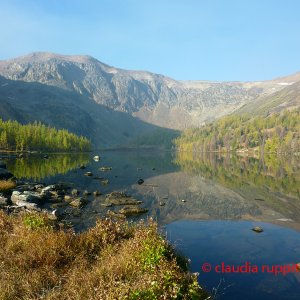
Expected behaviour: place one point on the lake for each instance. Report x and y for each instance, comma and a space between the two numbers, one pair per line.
206, 205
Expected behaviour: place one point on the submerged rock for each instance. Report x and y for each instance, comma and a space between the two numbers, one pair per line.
97, 193
120, 198
105, 182
88, 174
105, 169
115, 215
132, 210
75, 192
78, 202
140, 181
96, 158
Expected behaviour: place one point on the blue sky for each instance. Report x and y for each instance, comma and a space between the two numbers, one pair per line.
206, 39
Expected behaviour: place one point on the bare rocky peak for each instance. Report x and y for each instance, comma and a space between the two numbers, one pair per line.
150, 97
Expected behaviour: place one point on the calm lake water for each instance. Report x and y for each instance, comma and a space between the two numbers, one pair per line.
224, 198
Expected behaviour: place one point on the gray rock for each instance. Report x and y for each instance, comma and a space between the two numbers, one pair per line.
48, 188
78, 202
26, 196
26, 204
3, 201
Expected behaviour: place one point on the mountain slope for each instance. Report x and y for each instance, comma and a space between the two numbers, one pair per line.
112, 106
153, 98
287, 98
27, 102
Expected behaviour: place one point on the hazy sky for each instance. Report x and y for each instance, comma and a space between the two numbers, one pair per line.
187, 39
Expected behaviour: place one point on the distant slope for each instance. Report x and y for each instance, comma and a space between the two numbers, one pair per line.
287, 98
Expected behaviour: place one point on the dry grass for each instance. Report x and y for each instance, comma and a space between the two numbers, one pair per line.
6, 185
113, 260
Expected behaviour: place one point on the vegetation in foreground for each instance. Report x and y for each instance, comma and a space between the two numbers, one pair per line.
276, 133
112, 260
37, 136
6, 185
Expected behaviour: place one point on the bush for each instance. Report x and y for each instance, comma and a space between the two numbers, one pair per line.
112, 260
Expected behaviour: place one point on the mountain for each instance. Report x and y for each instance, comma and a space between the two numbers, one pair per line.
113, 106
60, 108
287, 98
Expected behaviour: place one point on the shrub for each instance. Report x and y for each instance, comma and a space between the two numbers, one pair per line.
6, 185
112, 260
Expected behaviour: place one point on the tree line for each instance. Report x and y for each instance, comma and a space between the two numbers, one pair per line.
275, 133
39, 137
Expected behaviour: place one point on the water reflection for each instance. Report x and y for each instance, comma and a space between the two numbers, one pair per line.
37, 168
214, 187
276, 173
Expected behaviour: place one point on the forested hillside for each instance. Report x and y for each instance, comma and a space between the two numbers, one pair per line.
276, 133
36, 136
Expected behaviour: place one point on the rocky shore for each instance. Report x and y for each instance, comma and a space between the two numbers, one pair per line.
61, 200
42, 257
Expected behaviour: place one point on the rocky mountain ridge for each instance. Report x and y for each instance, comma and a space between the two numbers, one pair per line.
113, 106
152, 98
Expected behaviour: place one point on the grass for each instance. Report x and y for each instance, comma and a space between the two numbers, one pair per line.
6, 185
112, 260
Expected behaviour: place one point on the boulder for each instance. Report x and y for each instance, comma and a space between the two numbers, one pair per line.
96, 158
26, 196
